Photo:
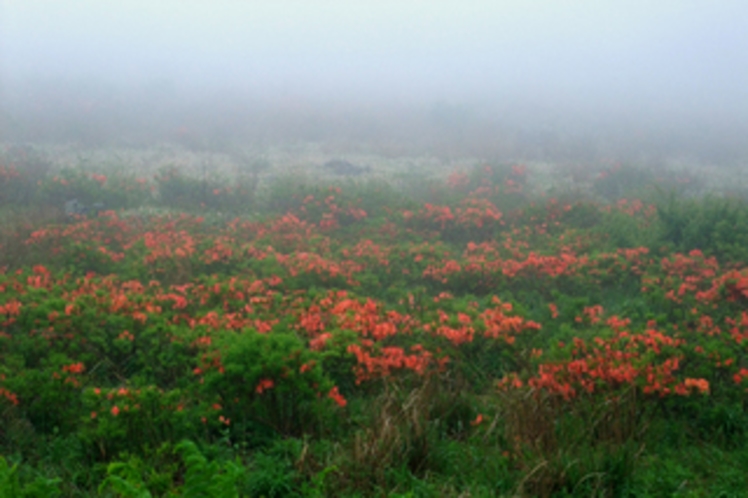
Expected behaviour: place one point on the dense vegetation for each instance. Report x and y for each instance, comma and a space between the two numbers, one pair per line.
434, 338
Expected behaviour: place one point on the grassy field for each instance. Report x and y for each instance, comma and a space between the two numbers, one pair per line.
252, 324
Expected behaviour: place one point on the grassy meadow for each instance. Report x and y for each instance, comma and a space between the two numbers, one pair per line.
426, 328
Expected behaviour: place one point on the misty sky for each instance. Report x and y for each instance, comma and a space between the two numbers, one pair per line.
666, 53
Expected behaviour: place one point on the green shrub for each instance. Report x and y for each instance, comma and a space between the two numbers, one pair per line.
267, 384
22, 168
201, 477
11, 486
623, 181
716, 226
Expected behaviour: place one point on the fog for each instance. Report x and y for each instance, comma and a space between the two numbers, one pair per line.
539, 80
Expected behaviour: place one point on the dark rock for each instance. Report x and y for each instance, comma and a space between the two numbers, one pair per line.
345, 168
74, 207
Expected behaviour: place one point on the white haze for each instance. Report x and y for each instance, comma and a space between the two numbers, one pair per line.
674, 69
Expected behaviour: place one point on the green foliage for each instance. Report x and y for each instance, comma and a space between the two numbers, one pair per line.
581, 215
621, 230
123, 419
316, 488
125, 480
204, 478
201, 477
693, 471
262, 387
623, 181
336, 342
21, 170
72, 184
717, 226
186, 193
286, 192
272, 474
11, 486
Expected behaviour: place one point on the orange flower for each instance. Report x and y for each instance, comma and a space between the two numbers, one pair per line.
478, 420
75, 368
337, 397
702, 385
115, 410
264, 385
554, 310
12, 397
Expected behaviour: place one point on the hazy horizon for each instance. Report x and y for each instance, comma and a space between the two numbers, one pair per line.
666, 67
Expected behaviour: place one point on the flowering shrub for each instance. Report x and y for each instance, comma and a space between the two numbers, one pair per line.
270, 380
126, 332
